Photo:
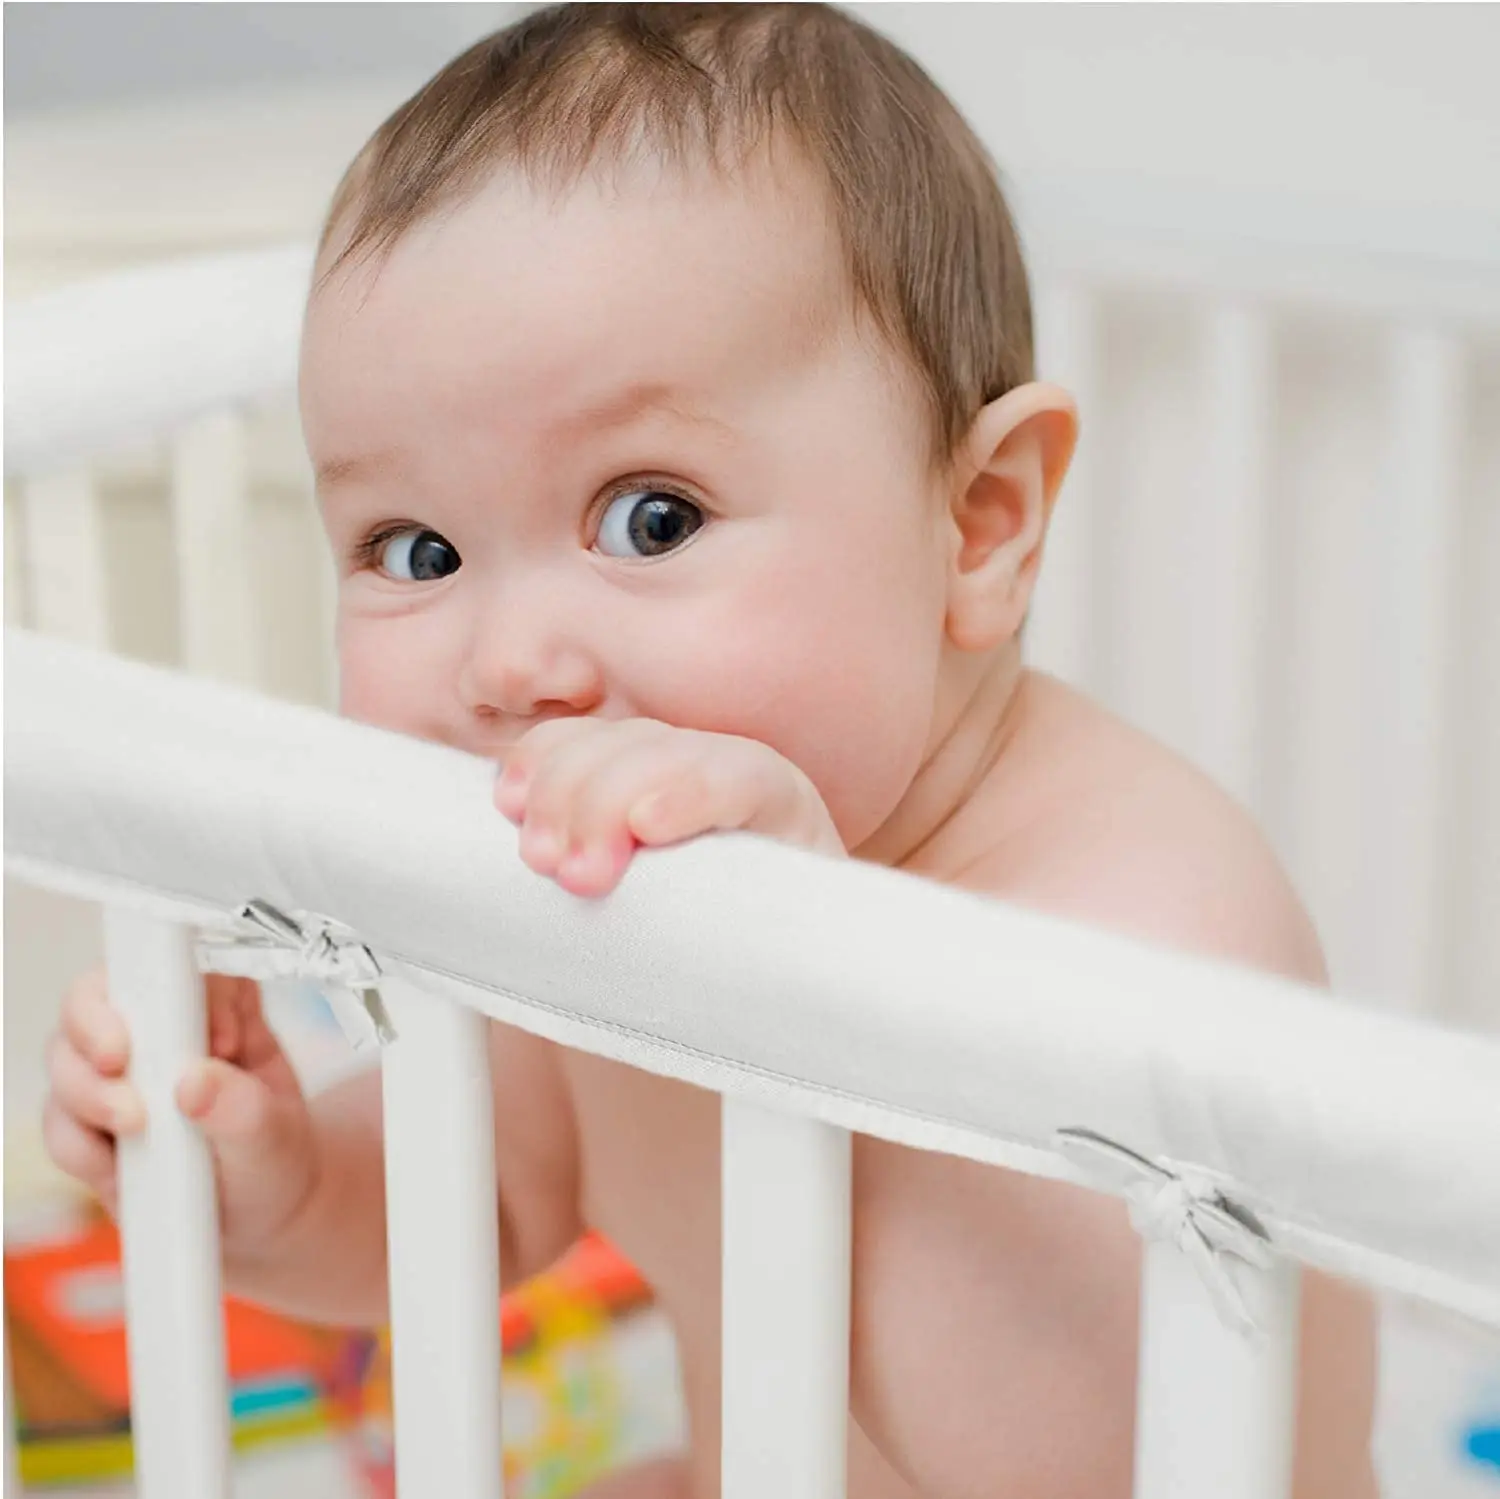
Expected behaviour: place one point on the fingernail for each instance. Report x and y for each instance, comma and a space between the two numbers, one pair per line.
591, 870
193, 1091
542, 845
126, 1111
114, 1043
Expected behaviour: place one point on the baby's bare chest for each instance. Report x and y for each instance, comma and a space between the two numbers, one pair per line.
649, 1150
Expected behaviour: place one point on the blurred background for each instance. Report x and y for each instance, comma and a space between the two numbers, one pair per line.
1265, 246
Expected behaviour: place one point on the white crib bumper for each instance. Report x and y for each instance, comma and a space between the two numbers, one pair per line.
133, 353
1365, 1143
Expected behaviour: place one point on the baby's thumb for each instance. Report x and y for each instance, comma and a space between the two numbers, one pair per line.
244, 1122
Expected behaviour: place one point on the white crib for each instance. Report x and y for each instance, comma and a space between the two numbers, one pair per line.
1278, 1099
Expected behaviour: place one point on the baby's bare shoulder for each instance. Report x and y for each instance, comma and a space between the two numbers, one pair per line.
1127, 834
954, 1259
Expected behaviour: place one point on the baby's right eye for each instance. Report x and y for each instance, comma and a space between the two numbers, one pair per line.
414, 555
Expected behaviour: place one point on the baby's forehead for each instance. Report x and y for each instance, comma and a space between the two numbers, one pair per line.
629, 276
761, 234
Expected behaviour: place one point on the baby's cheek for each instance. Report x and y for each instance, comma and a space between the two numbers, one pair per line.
857, 730
379, 683
360, 686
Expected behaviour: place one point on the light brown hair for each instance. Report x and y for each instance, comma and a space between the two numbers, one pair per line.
931, 253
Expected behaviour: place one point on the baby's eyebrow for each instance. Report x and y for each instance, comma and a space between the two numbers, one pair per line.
644, 398
619, 409
359, 466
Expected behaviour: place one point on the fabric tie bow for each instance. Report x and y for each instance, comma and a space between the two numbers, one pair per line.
268, 944
1181, 1208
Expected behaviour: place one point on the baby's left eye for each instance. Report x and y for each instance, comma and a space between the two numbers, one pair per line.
647, 523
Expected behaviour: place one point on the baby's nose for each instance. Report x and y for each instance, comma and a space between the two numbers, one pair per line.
525, 676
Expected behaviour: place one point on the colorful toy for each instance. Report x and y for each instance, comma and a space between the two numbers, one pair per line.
565, 1394
65, 1318
567, 1419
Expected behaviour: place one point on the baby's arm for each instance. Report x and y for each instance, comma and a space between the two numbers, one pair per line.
301, 1182
330, 1264
1004, 1307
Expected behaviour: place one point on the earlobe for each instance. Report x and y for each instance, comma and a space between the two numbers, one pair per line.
1013, 463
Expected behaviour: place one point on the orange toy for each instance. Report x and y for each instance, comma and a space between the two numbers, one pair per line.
64, 1303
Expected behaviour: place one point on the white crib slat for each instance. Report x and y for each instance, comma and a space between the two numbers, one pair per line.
1226, 553
169, 1224
1406, 768
215, 580
15, 577
1475, 953
1215, 1409
444, 1256
65, 557
1061, 634
786, 1236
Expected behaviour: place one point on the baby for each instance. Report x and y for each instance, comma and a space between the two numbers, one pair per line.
667, 376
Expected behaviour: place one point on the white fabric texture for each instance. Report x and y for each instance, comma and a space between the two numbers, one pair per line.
1362, 1142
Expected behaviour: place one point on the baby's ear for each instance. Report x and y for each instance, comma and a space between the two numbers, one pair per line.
1006, 476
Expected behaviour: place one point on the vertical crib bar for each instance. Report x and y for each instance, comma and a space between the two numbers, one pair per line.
1227, 560
1215, 1407
786, 1235
215, 577
169, 1223
1405, 764
1475, 724
1061, 635
65, 557
443, 1234
15, 577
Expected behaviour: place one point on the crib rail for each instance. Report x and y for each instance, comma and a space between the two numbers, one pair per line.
995, 1032
140, 353
174, 354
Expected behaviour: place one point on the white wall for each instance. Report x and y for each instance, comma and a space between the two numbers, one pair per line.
1390, 106
61, 57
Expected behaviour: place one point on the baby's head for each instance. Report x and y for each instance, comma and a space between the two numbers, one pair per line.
673, 361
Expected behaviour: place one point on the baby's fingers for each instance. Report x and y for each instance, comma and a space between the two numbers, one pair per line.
742, 786
736, 787
85, 1154
101, 1103
235, 1026
94, 1027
